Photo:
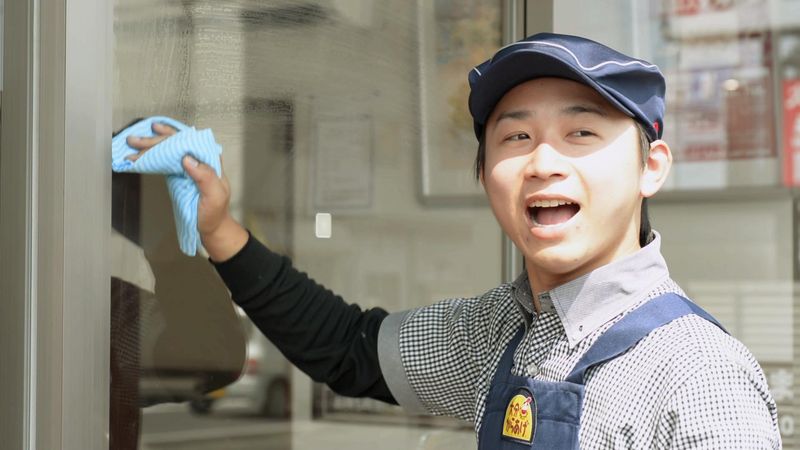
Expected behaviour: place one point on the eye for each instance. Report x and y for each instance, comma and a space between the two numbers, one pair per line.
582, 133
518, 137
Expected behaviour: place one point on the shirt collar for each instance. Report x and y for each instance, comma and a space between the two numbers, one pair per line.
586, 303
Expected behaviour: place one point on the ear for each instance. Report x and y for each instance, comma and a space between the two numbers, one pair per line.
656, 169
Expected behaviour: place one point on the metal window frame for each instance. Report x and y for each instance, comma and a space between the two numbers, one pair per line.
524, 17
55, 208
14, 221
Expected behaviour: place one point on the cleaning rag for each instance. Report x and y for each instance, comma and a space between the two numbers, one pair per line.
165, 158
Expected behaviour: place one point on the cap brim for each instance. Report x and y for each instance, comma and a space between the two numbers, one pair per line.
521, 66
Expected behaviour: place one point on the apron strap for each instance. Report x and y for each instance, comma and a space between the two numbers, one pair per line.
504, 368
634, 327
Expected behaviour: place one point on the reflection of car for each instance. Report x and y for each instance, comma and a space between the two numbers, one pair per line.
175, 334
263, 387
156, 359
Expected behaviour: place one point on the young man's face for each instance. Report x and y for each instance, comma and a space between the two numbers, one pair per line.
563, 174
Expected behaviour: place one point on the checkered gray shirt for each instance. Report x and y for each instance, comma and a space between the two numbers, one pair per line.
686, 385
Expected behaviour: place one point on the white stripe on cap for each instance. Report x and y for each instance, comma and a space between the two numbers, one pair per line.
595, 67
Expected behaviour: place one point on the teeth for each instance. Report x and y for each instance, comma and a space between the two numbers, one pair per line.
549, 203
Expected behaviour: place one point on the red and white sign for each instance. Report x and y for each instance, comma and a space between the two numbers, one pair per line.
692, 7
791, 132
709, 18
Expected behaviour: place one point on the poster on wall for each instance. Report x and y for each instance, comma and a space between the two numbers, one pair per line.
342, 165
719, 120
791, 132
454, 36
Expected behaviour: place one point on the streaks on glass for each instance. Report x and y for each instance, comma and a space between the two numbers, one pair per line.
285, 15
152, 69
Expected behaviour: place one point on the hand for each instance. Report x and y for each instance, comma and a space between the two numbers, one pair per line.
221, 235
215, 194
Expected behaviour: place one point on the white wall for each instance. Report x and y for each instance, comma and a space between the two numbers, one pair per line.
735, 259
621, 24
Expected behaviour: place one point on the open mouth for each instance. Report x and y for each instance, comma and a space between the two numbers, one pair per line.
548, 213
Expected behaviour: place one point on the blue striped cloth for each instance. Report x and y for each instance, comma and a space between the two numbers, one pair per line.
165, 158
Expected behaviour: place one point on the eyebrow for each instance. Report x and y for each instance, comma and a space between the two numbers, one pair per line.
584, 108
517, 114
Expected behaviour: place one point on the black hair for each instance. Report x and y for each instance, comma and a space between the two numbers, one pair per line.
645, 230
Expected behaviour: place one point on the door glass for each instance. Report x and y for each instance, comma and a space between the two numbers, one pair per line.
349, 148
729, 226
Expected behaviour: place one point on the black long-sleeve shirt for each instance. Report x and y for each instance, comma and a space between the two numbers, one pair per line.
331, 341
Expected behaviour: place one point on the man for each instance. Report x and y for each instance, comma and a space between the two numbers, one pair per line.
593, 346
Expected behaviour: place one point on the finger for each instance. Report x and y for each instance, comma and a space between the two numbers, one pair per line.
145, 143
203, 175
142, 145
225, 183
163, 129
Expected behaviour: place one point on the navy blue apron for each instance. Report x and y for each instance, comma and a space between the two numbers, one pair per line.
524, 413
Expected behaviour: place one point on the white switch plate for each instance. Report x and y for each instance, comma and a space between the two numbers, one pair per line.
323, 227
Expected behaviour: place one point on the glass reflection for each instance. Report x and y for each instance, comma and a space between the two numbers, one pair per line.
318, 106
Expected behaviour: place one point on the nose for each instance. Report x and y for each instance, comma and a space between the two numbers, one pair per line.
545, 162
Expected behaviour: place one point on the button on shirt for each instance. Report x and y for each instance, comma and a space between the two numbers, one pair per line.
686, 385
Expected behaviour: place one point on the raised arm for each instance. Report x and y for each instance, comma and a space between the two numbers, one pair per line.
330, 340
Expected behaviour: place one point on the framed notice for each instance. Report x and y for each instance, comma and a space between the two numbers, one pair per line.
454, 36
343, 165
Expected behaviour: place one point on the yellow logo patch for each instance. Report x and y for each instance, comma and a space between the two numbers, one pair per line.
520, 418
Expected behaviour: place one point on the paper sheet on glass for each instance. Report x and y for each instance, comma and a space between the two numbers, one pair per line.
343, 172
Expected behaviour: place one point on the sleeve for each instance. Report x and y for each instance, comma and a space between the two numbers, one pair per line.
440, 359
331, 341
720, 406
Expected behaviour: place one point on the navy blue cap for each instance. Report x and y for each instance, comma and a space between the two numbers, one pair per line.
634, 86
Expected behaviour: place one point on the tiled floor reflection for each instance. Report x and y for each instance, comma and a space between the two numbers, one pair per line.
334, 435
173, 427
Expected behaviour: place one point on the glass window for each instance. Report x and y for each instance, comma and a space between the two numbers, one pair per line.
349, 148
727, 222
